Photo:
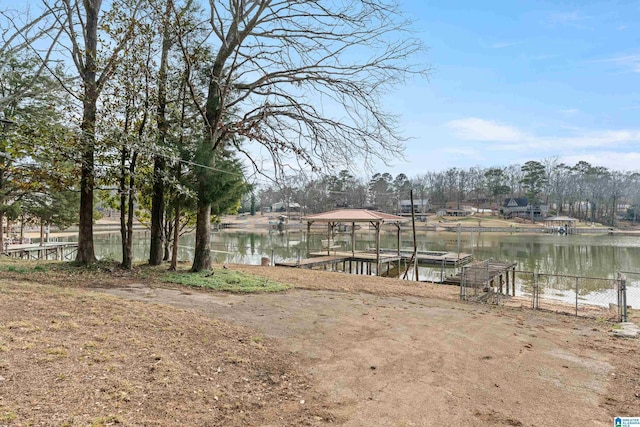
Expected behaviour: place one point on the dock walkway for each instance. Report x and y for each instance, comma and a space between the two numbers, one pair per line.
360, 262
363, 261
434, 258
55, 250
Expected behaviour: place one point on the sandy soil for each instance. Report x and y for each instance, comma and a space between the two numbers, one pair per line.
387, 353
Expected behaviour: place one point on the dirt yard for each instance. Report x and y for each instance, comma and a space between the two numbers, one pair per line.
336, 349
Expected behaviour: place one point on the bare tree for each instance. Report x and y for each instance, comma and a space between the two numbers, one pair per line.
304, 79
19, 32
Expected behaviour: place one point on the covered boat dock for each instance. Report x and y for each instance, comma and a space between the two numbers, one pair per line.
363, 262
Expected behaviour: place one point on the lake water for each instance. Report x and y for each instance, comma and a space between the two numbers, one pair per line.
599, 255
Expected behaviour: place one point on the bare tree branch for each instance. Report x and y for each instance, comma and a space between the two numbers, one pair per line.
305, 78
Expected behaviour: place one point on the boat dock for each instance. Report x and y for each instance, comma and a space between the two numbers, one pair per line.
434, 258
362, 262
60, 251
483, 274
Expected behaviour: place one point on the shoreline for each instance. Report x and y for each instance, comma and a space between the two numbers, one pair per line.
266, 223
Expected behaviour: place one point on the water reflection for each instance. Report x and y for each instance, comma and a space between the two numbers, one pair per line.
575, 255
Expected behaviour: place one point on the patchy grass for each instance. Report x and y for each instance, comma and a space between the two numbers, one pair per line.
12, 268
226, 280
64, 361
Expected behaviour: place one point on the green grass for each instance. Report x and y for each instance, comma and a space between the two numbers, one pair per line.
23, 269
226, 280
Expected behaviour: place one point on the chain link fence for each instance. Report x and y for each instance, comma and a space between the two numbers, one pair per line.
578, 295
595, 297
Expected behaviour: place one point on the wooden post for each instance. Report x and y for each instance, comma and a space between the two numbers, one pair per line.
415, 243
328, 238
513, 281
353, 239
378, 248
308, 236
507, 272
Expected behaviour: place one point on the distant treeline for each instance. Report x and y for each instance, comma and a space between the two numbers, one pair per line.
584, 191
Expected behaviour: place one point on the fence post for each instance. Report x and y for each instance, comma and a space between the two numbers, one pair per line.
623, 284
534, 300
577, 292
622, 298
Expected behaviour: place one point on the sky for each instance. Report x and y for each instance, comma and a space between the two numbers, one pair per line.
519, 80
514, 81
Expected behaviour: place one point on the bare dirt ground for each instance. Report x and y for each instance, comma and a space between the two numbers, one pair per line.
386, 353
76, 358
336, 349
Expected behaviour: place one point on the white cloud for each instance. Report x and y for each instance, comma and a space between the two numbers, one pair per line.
462, 151
510, 138
605, 138
502, 45
608, 159
567, 18
629, 62
569, 111
476, 129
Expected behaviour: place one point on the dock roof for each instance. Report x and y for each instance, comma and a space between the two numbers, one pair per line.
355, 215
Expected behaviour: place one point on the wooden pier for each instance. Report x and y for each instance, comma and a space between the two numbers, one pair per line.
434, 258
60, 251
483, 274
360, 262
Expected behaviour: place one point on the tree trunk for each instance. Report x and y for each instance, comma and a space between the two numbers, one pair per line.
123, 205
167, 231
128, 263
159, 164
157, 212
86, 252
2, 231
202, 255
176, 236
21, 229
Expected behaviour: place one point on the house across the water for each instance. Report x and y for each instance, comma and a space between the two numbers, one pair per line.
420, 206
520, 207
